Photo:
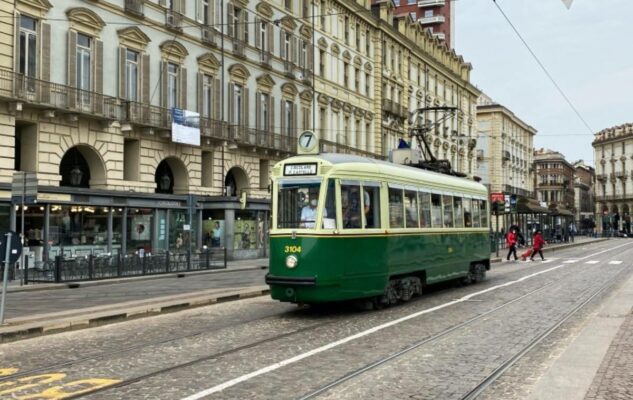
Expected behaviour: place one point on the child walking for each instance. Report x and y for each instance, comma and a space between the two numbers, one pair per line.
538, 245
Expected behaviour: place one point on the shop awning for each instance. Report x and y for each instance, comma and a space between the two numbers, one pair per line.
531, 206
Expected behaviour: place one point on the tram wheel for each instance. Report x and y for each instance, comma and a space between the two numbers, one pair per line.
478, 273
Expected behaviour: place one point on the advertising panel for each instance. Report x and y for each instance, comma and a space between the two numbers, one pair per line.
185, 127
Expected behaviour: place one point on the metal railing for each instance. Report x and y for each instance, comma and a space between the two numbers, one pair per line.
266, 58
107, 266
134, 7
19, 87
333, 147
207, 35
239, 48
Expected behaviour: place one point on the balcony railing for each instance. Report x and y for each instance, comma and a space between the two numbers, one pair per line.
207, 35
266, 59
506, 155
436, 19
239, 48
288, 68
173, 20
134, 7
327, 146
49, 95
431, 3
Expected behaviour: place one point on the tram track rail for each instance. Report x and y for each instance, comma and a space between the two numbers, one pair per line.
498, 371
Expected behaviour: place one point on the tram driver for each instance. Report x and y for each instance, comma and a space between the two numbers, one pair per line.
309, 212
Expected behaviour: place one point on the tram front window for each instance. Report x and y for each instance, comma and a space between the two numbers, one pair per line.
298, 204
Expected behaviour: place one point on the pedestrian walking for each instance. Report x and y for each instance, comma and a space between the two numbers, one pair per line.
572, 231
538, 245
511, 241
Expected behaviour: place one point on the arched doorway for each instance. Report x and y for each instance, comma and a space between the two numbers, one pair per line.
235, 181
171, 177
81, 167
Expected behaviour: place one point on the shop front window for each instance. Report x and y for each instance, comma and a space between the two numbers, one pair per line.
245, 230
78, 230
181, 231
213, 228
117, 230
4, 217
140, 223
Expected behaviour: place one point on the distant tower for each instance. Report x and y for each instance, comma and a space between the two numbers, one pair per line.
435, 15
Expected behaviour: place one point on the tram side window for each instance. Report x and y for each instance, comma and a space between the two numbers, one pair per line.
351, 206
436, 210
447, 202
329, 212
411, 207
459, 212
483, 208
468, 216
425, 209
396, 209
371, 206
476, 222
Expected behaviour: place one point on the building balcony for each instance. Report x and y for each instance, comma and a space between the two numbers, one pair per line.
440, 35
245, 136
239, 48
22, 90
506, 156
207, 35
431, 3
601, 177
289, 69
266, 59
611, 197
173, 20
134, 7
621, 175
436, 19
519, 191
480, 154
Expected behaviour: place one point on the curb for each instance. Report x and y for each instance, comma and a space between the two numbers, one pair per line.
78, 284
29, 327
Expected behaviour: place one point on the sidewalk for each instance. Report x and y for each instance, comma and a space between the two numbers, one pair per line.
48, 308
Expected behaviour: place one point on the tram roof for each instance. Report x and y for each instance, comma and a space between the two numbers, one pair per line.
354, 163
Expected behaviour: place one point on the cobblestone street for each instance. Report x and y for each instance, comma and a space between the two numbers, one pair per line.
440, 345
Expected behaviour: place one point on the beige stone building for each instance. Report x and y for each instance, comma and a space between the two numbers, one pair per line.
504, 149
613, 152
146, 122
584, 201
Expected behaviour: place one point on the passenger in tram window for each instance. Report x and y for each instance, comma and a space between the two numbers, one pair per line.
350, 196
371, 206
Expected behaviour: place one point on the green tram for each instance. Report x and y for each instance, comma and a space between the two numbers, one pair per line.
346, 227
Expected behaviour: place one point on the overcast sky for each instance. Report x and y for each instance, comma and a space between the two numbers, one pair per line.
586, 49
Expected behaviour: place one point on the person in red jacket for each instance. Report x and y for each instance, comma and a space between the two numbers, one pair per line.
538, 245
511, 240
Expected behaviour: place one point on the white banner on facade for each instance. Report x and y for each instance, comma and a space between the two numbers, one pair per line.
185, 127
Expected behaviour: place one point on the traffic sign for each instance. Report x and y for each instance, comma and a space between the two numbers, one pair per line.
506, 203
15, 247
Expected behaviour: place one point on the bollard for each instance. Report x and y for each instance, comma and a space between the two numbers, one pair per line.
90, 266
225, 257
188, 257
58, 269
26, 270
119, 264
143, 265
167, 261
208, 266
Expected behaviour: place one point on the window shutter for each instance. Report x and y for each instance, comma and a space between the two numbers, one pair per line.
245, 120
244, 26
258, 110
145, 78
217, 103
282, 47
199, 11
180, 6
282, 112
231, 99
163, 84
271, 38
45, 61
271, 115
200, 96
257, 33
98, 85
183, 88
310, 56
122, 82
72, 59
16, 44
229, 19
301, 60
295, 125
293, 50
163, 3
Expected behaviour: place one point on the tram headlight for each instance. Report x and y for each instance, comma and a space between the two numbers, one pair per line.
291, 261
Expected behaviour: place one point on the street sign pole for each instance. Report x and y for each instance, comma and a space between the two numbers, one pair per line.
5, 276
22, 224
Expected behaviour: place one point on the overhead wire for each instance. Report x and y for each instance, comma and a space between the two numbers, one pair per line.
551, 78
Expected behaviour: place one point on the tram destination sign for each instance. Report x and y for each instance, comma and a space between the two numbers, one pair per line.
300, 169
